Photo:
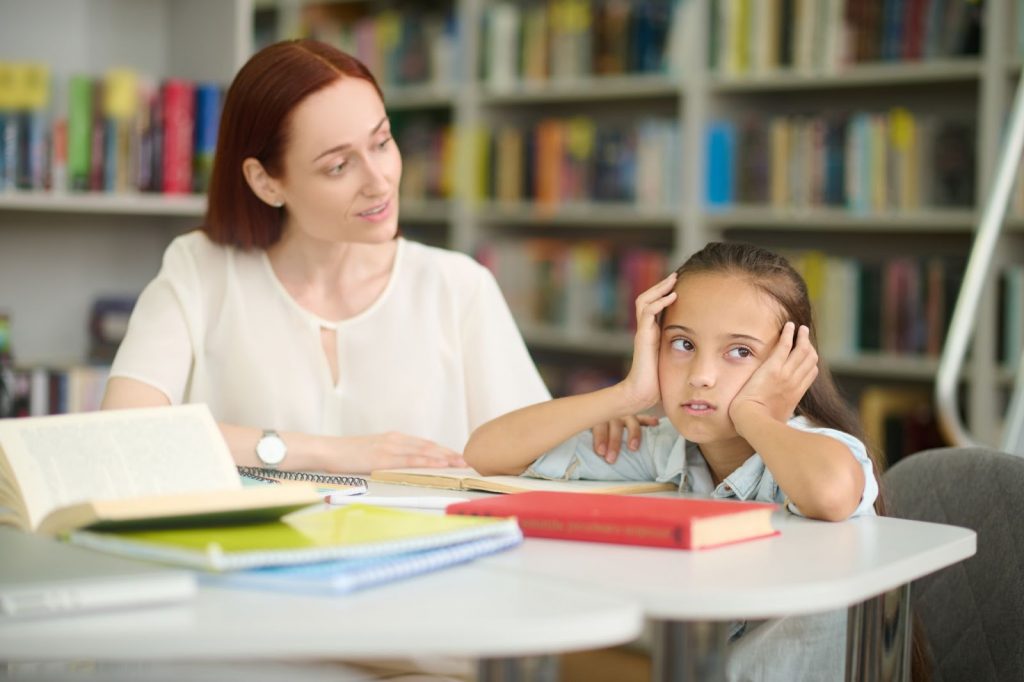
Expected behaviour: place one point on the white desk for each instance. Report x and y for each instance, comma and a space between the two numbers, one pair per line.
498, 616
811, 567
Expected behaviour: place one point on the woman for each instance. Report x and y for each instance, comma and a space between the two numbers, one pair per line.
319, 338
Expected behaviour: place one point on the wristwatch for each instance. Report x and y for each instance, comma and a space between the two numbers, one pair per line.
270, 449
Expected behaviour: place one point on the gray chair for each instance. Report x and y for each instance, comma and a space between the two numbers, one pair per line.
972, 613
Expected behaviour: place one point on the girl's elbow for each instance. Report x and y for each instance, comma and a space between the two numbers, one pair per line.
837, 502
483, 460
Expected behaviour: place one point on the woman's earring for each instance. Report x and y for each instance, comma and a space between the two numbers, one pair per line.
278, 204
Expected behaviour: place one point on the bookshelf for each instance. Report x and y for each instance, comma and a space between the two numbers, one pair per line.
465, 98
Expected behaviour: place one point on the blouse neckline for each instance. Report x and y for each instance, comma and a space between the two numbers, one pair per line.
335, 324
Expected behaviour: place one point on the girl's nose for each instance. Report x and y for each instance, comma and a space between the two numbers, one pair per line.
701, 373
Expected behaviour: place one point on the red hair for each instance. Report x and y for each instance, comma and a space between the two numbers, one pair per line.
255, 123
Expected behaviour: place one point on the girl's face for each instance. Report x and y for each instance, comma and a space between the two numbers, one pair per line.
719, 330
341, 166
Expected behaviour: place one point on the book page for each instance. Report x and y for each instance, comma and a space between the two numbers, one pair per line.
517, 484
429, 477
66, 459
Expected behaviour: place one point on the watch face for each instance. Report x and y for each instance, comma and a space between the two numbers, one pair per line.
271, 449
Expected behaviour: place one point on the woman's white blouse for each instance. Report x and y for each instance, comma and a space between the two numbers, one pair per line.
436, 355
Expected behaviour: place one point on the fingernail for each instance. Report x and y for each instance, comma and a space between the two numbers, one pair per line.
634, 444
600, 449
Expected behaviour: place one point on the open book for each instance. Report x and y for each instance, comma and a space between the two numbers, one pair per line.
152, 466
469, 479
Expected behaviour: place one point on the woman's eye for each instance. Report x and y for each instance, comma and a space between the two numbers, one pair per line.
681, 344
740, 352
384, 143
336, 168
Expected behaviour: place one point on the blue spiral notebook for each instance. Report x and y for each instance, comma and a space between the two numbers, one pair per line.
348, 575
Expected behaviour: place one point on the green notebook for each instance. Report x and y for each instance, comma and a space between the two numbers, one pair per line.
355, 531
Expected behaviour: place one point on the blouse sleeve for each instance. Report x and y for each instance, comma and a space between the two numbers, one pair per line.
499, 373
157, 348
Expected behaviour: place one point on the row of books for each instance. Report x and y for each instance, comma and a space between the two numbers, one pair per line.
899, 420
121, 132
413, 46
39, 391
579, 286
564, 378
578, 159
752, 37
899, 305
428, 157
561, 39
864, 161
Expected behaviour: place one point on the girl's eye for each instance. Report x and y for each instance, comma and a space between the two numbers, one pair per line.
335, 169
682, 344
384, 143
740, 352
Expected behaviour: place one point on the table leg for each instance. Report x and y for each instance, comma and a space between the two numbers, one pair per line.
686, 650
878, 638
525, 669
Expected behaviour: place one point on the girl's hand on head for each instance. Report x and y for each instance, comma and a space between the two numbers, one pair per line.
608, 436
777, 386
393, 450
641, 384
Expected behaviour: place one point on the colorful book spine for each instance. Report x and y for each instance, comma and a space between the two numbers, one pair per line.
80, 93
207, 120
178, 102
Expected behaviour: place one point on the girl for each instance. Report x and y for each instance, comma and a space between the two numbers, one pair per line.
726, 344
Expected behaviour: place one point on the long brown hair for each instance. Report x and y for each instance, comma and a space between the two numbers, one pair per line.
255, 123
822, 404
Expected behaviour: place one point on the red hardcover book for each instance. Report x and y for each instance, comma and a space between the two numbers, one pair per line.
178, 119
680, 523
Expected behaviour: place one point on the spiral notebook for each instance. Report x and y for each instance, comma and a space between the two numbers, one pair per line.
348, 575
325, 482
352, 532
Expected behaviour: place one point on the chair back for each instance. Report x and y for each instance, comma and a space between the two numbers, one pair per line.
972, 613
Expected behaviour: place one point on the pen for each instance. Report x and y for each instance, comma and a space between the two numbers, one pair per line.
384, 501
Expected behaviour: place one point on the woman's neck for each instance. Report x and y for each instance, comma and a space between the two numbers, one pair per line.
330, 279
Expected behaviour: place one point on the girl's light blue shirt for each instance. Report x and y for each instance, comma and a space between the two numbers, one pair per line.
665, 456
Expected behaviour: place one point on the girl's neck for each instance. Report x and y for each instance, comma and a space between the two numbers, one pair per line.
725, 456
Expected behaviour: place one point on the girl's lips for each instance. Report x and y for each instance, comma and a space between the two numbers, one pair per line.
699, 408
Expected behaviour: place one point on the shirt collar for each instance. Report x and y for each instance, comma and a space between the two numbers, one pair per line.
696, 476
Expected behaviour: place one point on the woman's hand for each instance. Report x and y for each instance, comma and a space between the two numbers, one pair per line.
608, 436
641, 384
777, 386
394, 450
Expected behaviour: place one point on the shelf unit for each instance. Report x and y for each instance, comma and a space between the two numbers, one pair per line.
56, 250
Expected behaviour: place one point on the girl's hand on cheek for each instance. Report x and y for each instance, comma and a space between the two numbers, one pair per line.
641, 384
777, 386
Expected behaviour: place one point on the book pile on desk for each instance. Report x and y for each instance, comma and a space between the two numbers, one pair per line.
160, 484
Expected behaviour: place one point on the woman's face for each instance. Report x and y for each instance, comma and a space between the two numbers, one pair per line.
341, 166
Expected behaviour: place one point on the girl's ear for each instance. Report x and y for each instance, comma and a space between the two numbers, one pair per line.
263, 185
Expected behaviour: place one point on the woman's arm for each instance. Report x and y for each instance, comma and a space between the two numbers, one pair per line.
818, 473
510, 443
306, 452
